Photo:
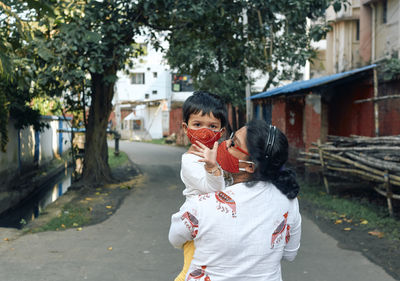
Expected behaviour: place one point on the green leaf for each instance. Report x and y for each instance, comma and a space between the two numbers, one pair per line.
92, 36
110, 79
337, 6
45, 53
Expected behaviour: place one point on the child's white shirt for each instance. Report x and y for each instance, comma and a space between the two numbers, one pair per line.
195, 177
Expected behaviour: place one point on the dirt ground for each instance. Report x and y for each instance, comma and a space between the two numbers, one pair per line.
381, 251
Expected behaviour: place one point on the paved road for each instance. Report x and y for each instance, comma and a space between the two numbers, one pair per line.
138, 234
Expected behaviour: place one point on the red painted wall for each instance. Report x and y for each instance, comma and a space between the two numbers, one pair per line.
124, 112
389, 110
279, 114
312, 120
112, 117
294, 122
346, 118
175, 120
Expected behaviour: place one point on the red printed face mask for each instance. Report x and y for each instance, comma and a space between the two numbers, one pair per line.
227, 161
204, 135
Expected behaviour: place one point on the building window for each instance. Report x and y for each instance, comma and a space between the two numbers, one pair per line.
358, 30
140, 49
154, 92
137, 125
155, 74
384, 12
182, 83
146, 96
137, 78
143, 48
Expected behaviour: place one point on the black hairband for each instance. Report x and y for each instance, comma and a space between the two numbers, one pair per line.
270, 141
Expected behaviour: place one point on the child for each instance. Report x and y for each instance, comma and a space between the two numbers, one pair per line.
204, 121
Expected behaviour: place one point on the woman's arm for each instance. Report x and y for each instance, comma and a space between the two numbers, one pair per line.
293, 245
184, 225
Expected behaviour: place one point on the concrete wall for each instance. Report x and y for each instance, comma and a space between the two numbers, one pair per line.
27, 147
157, 78
387, 35
156, 87
49, 142
342, 47
378, 39
342, 52
365, 33
21, 154
152, 117
9, 158
153, 122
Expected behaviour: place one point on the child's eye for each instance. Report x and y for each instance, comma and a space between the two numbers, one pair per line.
196, 124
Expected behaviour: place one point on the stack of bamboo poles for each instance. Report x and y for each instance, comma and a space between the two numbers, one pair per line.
374, 159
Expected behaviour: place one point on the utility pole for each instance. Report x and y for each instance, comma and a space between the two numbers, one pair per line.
376, 105
117, 112
249, 111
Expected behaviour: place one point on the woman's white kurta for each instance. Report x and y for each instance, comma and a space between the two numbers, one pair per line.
240, 233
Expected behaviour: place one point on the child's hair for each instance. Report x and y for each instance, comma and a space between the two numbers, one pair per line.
205, 102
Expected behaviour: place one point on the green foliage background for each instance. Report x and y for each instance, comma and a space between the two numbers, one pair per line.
72, 50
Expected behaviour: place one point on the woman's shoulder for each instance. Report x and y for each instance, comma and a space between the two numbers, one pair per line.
272, 191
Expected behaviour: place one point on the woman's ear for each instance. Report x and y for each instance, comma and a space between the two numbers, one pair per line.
185, 127
250, 167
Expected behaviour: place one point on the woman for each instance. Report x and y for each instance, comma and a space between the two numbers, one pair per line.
243, 232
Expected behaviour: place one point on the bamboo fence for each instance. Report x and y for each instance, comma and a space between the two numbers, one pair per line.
374, 159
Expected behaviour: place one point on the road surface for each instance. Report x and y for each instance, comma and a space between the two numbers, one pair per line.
138, 235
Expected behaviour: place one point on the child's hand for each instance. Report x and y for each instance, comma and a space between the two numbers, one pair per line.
209, 156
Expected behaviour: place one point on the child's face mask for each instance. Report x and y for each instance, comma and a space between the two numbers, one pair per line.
204, 135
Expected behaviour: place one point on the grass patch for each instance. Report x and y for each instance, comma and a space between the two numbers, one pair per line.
71, 216
157, 141
356, 209
114, 160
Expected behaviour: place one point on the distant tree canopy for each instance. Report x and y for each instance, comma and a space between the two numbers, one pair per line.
74, 52
74, 49
17, 68
86, 45
211, 41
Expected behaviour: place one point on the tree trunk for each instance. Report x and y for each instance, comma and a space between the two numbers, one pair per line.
96, 170
234, 118
242, 117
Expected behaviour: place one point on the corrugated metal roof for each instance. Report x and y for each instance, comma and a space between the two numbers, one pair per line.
312, 83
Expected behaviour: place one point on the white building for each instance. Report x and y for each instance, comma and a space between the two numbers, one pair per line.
143, 97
